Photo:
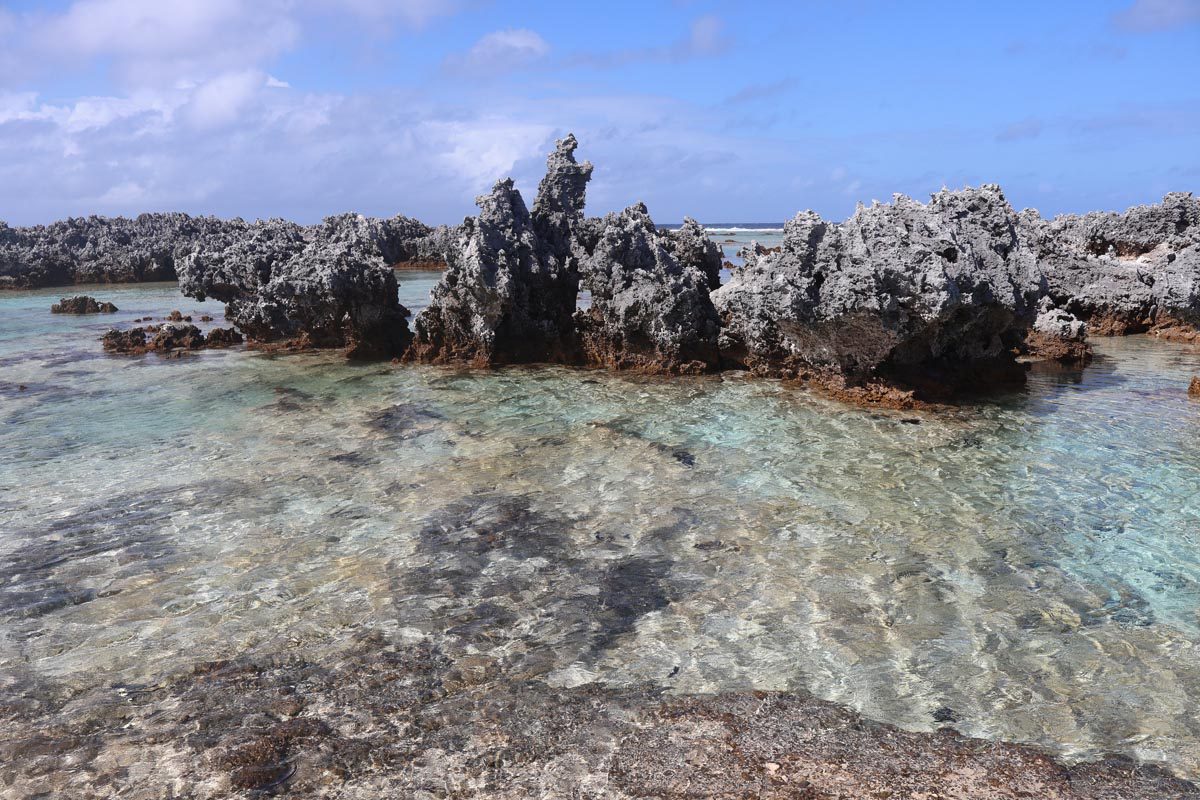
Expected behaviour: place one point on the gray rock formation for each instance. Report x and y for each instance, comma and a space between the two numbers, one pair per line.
101, 249
1123, 273
511, 285
650, 310
906, 292
690, 246
1057, 335
333, 291
150, 247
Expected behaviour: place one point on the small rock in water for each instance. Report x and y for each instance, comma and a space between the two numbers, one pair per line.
82, 304
945, 714
223, 337
1194, 387
684, 457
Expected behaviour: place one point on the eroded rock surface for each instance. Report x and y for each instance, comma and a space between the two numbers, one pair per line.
169, 338
650, 311
510, 288
932, 296
691, 246
1058, 335
102, 249
82, 304
1128, 272
335, 290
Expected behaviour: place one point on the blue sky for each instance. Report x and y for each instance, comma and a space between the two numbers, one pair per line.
723, 111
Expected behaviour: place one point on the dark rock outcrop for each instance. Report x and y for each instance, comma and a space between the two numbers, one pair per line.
334, 291
511, 285
222, 337
650, 311
1057, 335
927, 296
177, 336
150, 246
167, 339
1133, 272
1194, 387
129, 342
82, 304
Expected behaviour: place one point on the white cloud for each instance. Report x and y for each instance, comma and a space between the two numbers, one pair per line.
163, 43
221, 100
707, 37
500, 51
1146, 16
483, 150
275, 83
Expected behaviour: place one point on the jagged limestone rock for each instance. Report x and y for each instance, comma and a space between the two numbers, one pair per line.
1123, 273
1057, 335
905, 292
511, 285
649, 310
325, 287
690, 245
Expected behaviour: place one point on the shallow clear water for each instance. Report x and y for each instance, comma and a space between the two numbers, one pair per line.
1031, 564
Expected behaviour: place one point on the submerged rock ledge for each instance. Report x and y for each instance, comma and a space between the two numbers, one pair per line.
902, 303
383, 718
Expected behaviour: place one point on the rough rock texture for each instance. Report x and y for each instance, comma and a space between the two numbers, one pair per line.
1124, 273
1058, 335
101, 249
333, 291
510, 288
690, 246
150, 247
412, 721
931, 296
222, 337
649, 310
177, 336
167, 339
82, 304
131, 341
1194, 387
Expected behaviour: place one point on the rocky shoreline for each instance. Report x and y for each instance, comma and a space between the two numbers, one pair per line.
902, 304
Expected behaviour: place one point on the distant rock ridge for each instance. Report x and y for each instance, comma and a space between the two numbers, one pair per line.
149, 247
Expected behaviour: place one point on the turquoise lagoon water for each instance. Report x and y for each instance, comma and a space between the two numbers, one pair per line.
1029, 567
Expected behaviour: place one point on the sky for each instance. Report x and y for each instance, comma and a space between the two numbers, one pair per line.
723, 111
